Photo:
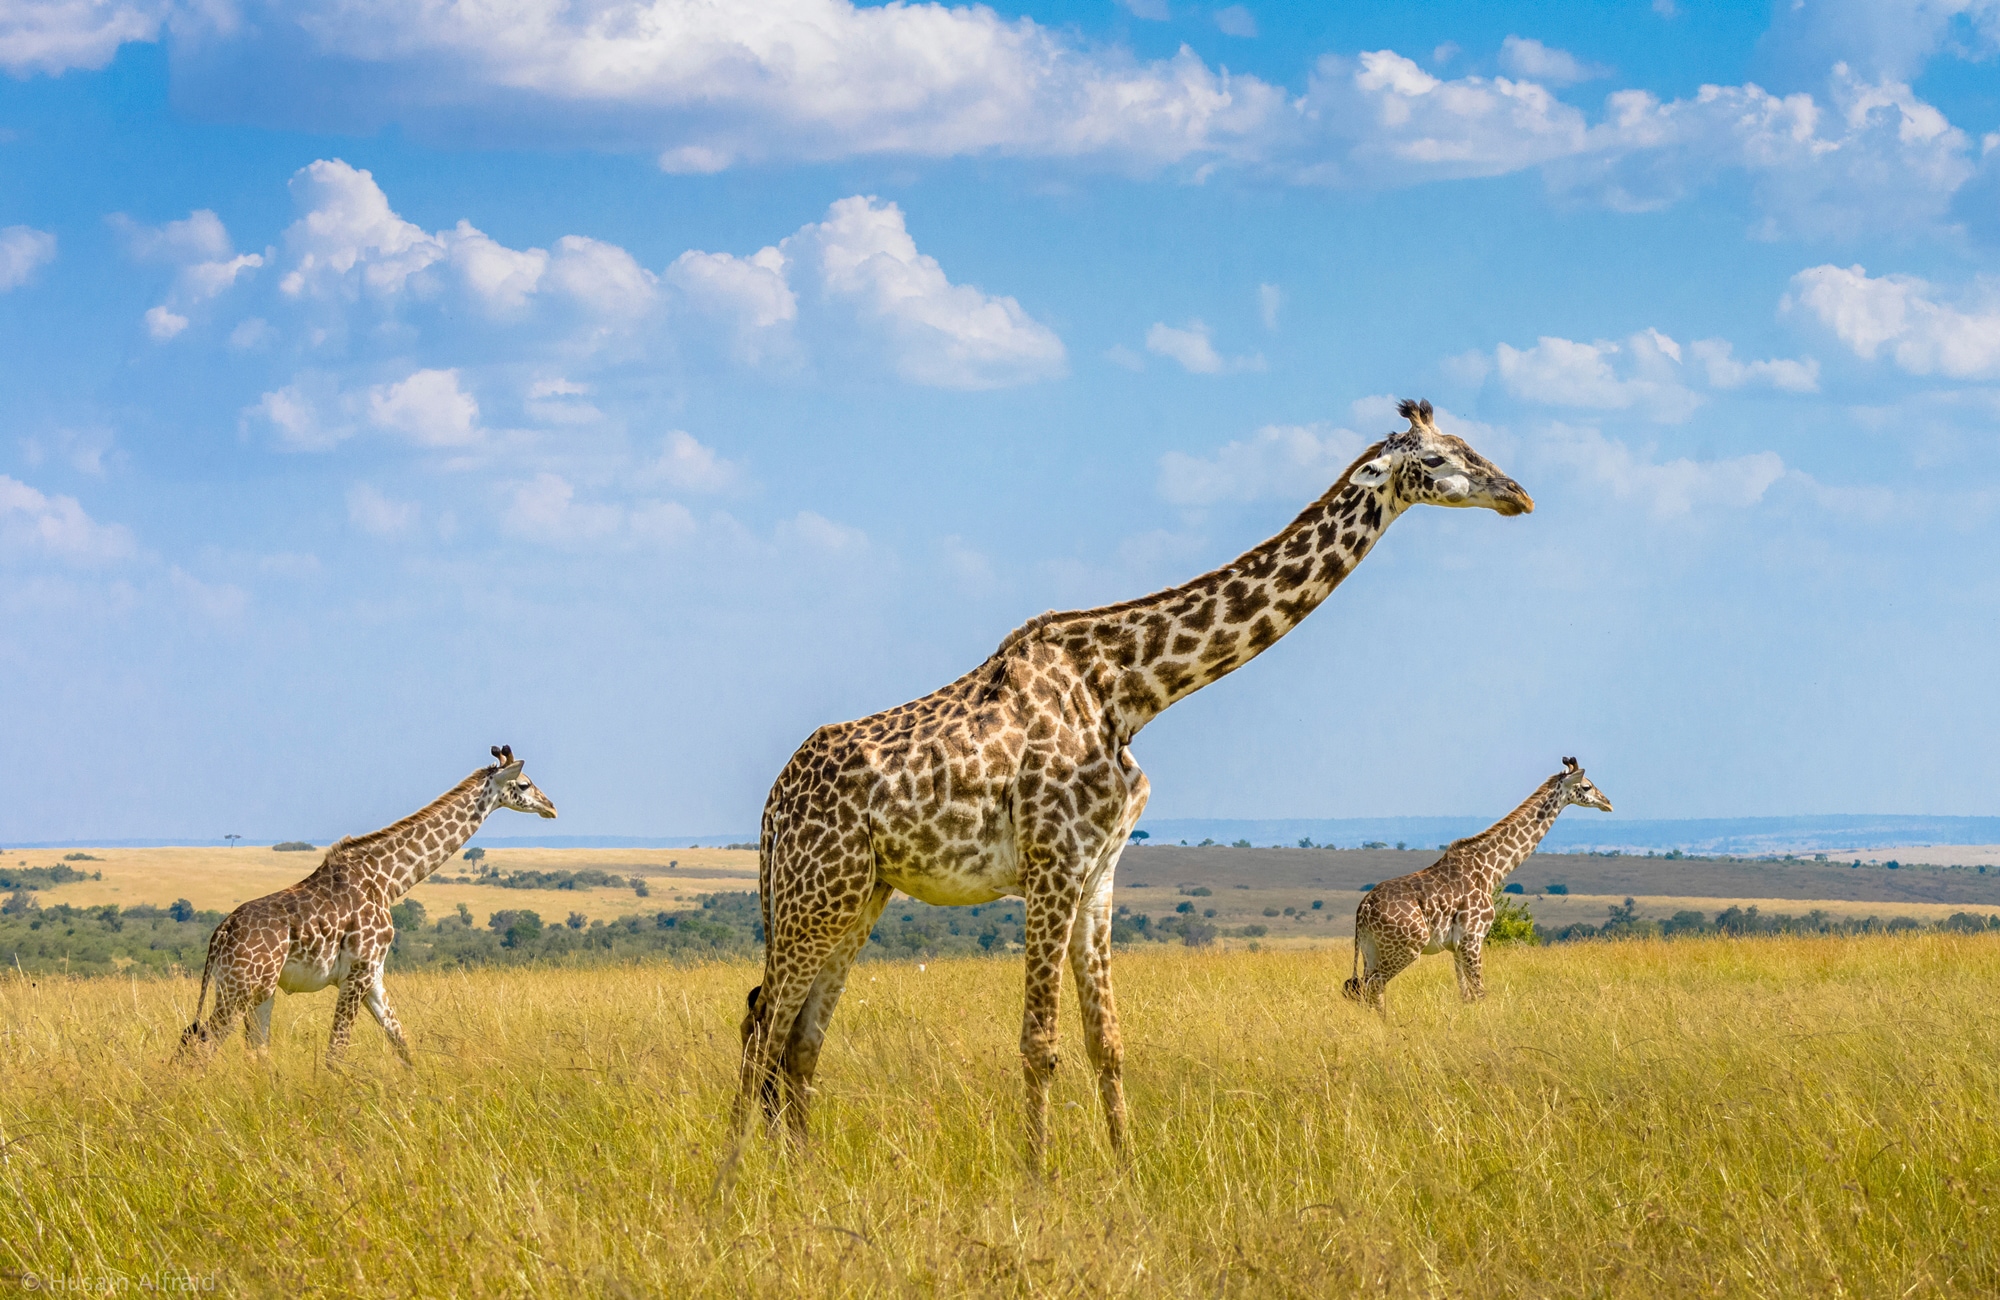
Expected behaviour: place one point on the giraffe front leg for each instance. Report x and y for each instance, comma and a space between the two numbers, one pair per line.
378, 1006
1471, 977
1090, 962
1051, 911
257, 1026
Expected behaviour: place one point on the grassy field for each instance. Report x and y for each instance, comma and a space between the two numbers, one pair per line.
1717, 1117
217, 879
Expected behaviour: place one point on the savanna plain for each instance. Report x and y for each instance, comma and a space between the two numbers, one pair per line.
1742, 1116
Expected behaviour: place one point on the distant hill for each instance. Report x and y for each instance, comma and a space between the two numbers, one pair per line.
1580, 831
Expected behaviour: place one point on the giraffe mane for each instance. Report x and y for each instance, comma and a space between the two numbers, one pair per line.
352, 843
1035, 627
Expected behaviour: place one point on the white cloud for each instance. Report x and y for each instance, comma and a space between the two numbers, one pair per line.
198, 237
559, 401
501, 277
223, 601
942, 334
751, 293
1667, 489
1394, 123
706, 87
1893, 38
52, 35
22, 249
308, 414
1192, 348
545, 509
1643, 372
32, 522
378, 515
430, 407
1906, 317
1882, 159
692, 467
1270, 299
1153, 11
709, 86
1235, 20
163, 324
1724, 371
814, 531
1529, 58
199, 245
1278, 461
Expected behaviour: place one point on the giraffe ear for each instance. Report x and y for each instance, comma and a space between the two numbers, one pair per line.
509, 772
1373, 474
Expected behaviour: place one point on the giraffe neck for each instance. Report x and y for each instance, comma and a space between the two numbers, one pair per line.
1511, 839
408, 851
1158, 650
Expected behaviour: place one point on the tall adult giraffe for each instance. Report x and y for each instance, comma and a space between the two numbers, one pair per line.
1017, 779
333, 927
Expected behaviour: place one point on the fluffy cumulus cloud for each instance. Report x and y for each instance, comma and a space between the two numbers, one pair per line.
1881, 158
352, 266
1523, 56
947, 335
23, 250
369, 510
49, 36
1666, 489
1649, 373
1906, 319
34, 524
207, 264
1278, 461
709, 87
1193, 348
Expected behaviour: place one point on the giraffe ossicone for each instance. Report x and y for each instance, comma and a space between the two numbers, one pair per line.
333, 927
1018, 779
1449, 904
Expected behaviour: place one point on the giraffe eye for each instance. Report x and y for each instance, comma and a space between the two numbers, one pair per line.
1433, 461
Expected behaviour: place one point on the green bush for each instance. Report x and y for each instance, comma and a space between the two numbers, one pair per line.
1512, 923
293, 846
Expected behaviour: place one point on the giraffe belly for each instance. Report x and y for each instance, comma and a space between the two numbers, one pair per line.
307, 974
994, 873
1445, 933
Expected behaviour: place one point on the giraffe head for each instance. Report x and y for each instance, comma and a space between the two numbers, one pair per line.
1578, 790
1424, 466
513, 789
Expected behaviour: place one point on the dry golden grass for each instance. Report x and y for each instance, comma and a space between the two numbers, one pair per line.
1755, 1117
217, 879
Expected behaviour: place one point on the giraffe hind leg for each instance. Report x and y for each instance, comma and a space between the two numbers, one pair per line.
801, 1056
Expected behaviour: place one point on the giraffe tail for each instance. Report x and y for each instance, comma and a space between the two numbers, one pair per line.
1351, 990
194, 1033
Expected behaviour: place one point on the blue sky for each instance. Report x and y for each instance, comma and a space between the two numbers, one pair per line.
645, 384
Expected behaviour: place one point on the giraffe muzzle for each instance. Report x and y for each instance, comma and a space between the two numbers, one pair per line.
1510, 499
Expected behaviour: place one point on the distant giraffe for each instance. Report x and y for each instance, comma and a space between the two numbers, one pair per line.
1017, 779
333, 927
1449, 904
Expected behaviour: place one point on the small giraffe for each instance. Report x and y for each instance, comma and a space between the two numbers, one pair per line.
1017, 779
1449, 904
333, 927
